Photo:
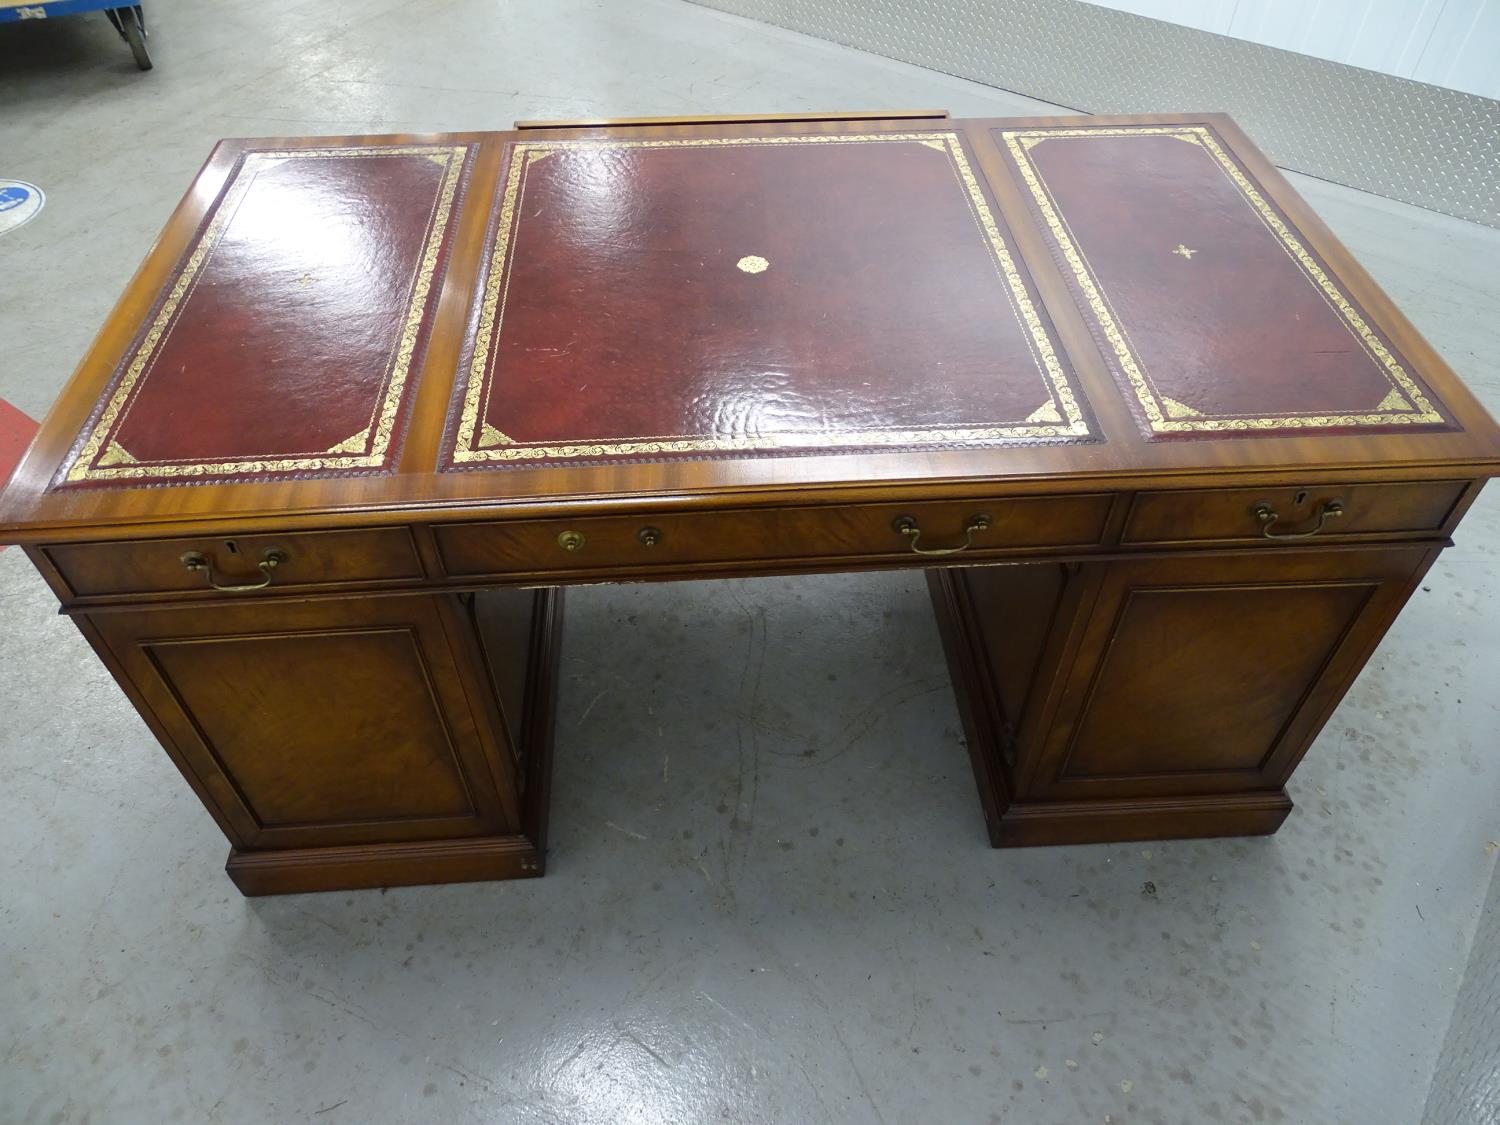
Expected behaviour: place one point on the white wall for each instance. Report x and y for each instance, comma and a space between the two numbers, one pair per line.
1454, 43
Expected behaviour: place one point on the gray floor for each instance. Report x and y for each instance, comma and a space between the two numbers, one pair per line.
770, 896
1466, 1085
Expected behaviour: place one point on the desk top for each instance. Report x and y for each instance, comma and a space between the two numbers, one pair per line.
730, 312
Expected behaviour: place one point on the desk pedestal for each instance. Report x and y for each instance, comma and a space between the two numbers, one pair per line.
1157, 697
345, 743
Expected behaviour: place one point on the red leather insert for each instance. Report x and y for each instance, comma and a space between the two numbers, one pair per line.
1215, 315
699, 297
286, 341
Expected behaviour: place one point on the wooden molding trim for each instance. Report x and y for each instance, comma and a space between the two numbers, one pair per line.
364, 866
1148, 818
742, 119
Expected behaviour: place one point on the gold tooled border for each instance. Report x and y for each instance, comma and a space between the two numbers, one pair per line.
1072, 422
1021, 141
377, 436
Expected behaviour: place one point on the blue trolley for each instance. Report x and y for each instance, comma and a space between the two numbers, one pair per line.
128, 19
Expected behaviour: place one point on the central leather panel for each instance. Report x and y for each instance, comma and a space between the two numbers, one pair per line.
694, 297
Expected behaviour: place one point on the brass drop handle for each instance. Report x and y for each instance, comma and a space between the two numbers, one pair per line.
197, 560
907, 526
570, 540
1328, 510
649, 536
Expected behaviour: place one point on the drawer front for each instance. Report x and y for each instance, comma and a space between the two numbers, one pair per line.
156, 566
835, 532
1292, 514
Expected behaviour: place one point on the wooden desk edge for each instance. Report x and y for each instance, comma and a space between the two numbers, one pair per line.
740, 119
17, 530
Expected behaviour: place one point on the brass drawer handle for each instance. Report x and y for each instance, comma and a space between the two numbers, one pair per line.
649, 536
570, 540
197, 560
908, 527
1329, 510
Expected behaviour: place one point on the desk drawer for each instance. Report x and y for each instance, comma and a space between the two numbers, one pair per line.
155, 566
1245, 514
834, 532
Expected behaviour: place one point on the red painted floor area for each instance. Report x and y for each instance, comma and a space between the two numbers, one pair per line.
16, 430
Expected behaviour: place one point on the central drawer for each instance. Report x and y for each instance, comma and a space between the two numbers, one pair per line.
832, 533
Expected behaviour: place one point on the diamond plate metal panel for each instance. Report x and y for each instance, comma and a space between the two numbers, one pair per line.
1423, 144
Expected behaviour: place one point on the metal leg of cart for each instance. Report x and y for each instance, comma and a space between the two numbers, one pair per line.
130, 22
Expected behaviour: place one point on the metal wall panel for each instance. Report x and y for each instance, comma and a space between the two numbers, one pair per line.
1423, 144
1205, 15
1464, 48
1384, 35
1453, 43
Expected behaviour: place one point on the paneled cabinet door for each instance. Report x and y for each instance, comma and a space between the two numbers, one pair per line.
339, 721
1211, 674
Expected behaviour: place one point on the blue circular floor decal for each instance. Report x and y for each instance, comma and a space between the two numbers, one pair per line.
19, 202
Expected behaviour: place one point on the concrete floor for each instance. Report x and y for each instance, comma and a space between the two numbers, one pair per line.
770, 897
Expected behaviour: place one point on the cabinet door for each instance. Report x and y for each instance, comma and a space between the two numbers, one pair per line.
1210, 674
340, 721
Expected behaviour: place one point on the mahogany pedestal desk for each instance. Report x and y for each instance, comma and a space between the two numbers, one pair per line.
371, 402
